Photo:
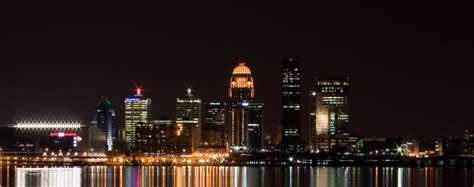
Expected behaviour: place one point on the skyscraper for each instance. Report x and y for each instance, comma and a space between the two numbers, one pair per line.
106, 120
291, 89
241, 85
330, 109
213, 130
137, 109
188, 115
254, 115
241, 90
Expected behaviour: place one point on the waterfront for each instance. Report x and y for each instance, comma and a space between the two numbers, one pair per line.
234, 176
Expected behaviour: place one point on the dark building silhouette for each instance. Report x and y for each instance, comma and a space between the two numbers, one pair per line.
291, 91
106, 120
254, 112
152, 137
213, 129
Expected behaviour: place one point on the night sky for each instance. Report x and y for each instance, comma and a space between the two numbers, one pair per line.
408, 61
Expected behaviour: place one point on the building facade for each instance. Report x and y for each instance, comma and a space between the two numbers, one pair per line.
152, 137
241, 90
254, 112
106, 120
213, 129
329, 114
291, 105
137, 109
188, 116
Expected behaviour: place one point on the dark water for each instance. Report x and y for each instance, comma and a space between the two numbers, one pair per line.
235, 176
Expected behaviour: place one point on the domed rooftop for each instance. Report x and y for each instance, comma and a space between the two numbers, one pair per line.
241, 69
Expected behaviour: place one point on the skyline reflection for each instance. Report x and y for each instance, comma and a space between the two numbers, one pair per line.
98, 176
48, 176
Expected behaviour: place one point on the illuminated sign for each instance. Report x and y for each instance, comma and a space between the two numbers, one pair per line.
133, 99
76, 140
63, 134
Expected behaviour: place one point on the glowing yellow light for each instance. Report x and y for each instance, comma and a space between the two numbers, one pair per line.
241, 69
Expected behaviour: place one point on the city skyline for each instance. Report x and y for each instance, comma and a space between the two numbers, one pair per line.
60, 58
306, 116
236, 93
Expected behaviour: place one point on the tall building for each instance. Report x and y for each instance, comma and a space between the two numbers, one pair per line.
241, 85
213, 129
106, 120
291, 90
330, 114
137, 109
254, 115
241, 90
188, 115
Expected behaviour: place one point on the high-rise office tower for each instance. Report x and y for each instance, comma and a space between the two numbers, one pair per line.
329, 114
213, 130
106, 120
188, 114
241, 90
254, 115
137, 109
291, 90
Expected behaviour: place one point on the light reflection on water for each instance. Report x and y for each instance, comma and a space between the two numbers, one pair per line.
234, 176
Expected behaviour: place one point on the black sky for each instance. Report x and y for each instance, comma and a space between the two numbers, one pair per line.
409, 62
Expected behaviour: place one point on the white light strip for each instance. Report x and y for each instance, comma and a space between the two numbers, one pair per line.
45, 125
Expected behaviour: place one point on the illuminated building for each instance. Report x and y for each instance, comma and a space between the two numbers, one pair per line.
137, 109
213, 130
106, 120
410, 148
329, 114
254, 112
241, 85
241, 90
188, 115
291, 90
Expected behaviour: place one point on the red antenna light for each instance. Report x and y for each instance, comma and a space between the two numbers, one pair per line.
139, 91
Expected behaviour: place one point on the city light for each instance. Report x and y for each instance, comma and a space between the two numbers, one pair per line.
48, 124
62, 134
